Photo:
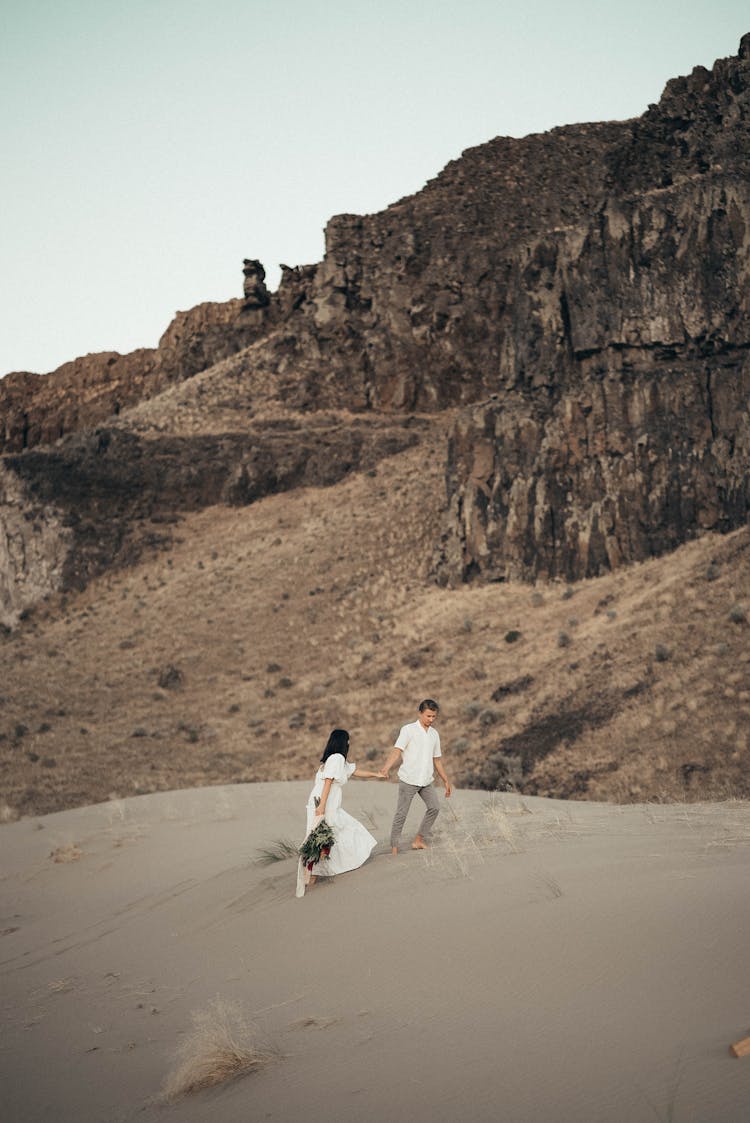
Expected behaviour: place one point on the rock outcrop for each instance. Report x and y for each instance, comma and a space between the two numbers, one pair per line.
99, 499
35, 545
39, 409
581, 297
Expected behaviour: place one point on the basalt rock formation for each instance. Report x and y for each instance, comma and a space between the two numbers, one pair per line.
580, 297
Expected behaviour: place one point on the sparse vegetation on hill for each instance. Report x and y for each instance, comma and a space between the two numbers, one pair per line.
230, 655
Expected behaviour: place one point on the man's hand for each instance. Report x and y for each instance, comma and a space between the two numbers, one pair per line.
448, 790
383, 774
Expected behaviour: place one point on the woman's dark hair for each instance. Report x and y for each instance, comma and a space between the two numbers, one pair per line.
338, 742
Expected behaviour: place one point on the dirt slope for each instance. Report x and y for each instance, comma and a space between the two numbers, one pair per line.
229, 656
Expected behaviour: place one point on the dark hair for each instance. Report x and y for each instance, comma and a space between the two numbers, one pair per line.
428, 704
338, 742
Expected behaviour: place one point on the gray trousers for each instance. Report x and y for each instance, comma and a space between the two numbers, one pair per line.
406, 793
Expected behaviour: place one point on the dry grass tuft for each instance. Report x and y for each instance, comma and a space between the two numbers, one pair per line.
278, 851
222, 1046
69, 853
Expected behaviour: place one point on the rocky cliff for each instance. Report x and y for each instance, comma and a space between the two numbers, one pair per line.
580, 297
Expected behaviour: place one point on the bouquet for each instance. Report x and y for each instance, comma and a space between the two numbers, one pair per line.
317, 845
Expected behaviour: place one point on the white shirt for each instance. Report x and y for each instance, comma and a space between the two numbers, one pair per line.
419, 746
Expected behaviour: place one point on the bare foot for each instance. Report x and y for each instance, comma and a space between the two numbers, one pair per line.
419, 843
394, 850
313, 879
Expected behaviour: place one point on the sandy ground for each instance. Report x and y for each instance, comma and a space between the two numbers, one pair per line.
544, 961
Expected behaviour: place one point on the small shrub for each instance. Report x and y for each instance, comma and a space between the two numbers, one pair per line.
662, 654
713, 572
372, 754
139, 731
537, 599
512, 636
296, 721
171, 678
517, 686
472, 710
273, 669
468, 625
285, 683
568, 593
563, 639
738, 614
459, 746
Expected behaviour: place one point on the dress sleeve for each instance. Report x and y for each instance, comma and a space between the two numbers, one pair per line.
350, 769
335, 768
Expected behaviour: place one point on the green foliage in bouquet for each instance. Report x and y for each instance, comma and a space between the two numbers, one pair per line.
317, 845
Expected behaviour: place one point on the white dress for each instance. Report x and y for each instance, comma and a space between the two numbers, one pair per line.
353, 843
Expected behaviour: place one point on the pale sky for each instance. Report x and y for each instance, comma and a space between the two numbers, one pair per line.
148, 146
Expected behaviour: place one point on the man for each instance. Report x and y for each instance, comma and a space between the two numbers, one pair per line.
418, 748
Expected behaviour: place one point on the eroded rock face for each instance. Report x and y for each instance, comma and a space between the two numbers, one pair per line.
583, 294
623, 468
35, 545
40, 409
632, 335
98, 499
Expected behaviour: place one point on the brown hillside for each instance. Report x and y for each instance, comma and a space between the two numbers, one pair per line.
229, 655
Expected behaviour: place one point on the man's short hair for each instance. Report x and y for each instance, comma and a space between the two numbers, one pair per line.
428, 704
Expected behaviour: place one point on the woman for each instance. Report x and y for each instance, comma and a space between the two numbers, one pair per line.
352, 842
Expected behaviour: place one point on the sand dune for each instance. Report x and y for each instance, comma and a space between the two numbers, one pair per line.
544, 961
